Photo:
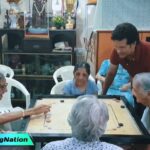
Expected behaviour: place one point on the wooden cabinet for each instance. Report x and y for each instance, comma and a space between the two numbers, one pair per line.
35, 70
91, 2
104, 46
145, 35
35, 67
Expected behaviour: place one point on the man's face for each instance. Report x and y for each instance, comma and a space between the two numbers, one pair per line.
123, 49
3, 88
142, 96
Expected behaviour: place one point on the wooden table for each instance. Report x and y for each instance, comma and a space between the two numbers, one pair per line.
123, 125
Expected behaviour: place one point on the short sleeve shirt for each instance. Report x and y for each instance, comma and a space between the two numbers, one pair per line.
139, 63
122, 77
74, 144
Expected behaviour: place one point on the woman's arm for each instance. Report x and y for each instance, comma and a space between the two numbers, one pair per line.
100, 78
8, 117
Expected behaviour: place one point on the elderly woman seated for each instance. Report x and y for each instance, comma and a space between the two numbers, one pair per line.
88, 120
81, 84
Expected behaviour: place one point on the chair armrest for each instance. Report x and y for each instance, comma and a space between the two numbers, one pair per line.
20, 87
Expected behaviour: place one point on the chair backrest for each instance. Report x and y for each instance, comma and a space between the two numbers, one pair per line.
5, 102
58, 88
7, 71
99, 85
66, 73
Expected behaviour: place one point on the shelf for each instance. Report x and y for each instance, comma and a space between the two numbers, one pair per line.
34, 77
36, 64
35, 67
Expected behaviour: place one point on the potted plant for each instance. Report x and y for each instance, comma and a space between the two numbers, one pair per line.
58, 21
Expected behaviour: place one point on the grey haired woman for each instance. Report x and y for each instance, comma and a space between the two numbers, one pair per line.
88, 120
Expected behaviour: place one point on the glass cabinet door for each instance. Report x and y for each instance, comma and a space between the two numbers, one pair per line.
35, 64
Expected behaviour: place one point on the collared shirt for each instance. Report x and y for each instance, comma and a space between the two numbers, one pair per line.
74, 144
140, 61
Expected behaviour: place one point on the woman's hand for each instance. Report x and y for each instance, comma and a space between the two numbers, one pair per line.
125, 87
41, 109
38, 110
100, 78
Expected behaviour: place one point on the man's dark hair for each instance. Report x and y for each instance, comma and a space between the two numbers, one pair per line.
126, 31
82, 65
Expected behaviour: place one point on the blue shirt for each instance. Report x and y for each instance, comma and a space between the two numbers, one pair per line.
122, 77
71, 89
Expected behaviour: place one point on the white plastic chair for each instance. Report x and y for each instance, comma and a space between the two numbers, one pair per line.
6, 71
58, 88
5, 102
66, 73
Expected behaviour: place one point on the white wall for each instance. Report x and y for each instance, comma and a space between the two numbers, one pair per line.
84, 21
110, 13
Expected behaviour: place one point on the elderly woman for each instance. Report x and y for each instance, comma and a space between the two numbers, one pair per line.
11, 116
141, 90
88, 119
81, 84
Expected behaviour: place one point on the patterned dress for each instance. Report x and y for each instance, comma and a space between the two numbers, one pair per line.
74, 144
122, 77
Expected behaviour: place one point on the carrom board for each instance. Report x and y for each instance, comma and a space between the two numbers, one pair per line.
121, 122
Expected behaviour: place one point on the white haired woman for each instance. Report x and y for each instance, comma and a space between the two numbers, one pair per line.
141, 90
88, 120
